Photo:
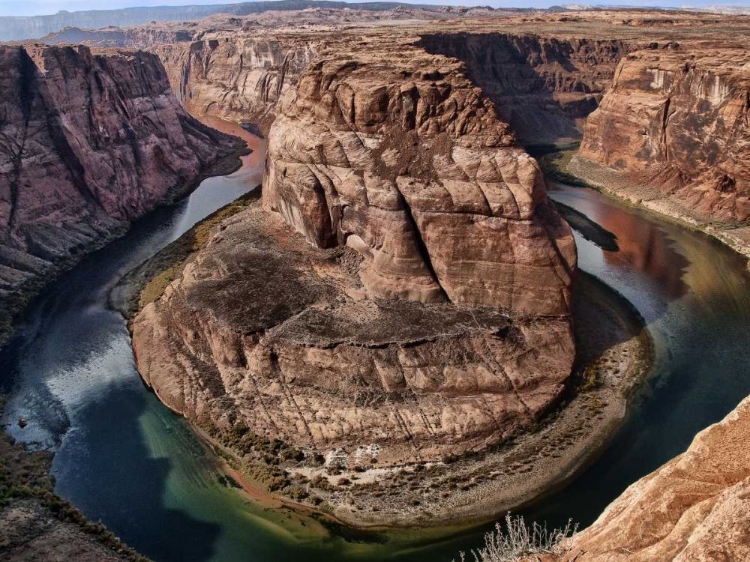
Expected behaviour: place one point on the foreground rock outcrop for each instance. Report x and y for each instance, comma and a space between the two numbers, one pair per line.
696, 507
88, 143
676, 118
401, 158
422, 310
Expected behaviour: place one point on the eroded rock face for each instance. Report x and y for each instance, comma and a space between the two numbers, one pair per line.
544, 87
696, 507
266, 331
240, 78
678, 119
88, 142
422, 308
399, 156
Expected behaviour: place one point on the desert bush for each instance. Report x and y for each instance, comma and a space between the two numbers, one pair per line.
515, 541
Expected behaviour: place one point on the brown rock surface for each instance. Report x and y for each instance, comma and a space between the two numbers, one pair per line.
30, 532
677, 119
88, 142
544, 87
422, 309
396, 154
264, 330
239, 79
694, 508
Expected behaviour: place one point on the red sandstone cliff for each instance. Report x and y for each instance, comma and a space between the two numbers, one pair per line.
88, 142
694, 508
404, 186
239, 78
543, 86
677, 119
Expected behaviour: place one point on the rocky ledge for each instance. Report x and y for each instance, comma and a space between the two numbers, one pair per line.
89, 141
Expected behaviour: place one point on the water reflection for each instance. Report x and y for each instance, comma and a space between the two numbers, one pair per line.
693, 292
645, 247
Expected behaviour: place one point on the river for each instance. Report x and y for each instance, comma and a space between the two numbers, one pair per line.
123, 458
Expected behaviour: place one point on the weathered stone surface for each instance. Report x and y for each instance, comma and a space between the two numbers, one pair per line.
88, 142
395, 153
265, 330
410, 199
677, 119
694, 508
239, 79
544, 87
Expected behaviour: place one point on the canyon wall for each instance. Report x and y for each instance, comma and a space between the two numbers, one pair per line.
695, 507
88, 143
677, 119
422, 308
236, 78
545, 87
114, 37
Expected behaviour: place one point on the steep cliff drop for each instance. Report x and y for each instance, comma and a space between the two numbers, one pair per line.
543, 86
420, 313
238, 78
696, 507
672, 133
88, 143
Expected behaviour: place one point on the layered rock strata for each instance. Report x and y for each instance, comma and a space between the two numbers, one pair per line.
88, 142
677, 119
423, 308
545, 87
695, 507
401, 158
239, 79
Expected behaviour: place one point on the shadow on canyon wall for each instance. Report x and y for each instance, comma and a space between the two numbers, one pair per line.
543, 87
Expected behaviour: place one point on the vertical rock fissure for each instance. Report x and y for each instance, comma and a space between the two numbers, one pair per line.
290, 397
422, 246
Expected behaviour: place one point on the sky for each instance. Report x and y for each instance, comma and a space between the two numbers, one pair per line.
37, 7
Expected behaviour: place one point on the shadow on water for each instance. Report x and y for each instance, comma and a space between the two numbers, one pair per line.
111, 475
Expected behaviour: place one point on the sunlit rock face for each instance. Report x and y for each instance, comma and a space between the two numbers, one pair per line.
88, 142
677, 118
421, 306
237, 78
695, 507
399, 156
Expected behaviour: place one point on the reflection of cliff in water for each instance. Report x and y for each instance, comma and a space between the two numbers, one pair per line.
643, 245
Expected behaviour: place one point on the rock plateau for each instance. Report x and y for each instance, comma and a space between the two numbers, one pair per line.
423, 309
